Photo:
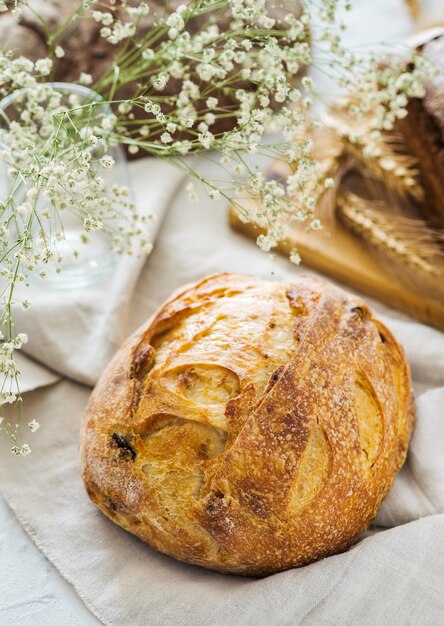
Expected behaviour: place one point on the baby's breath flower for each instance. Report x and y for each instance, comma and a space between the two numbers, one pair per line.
140, 11
33, 425
20, 340
212, 102
25, 450
166, 138
148, 54
214, 194
294, 257
106, 33
43, 66
108, 122
103, 18
160, 82
206, 139
107, 161
85, 79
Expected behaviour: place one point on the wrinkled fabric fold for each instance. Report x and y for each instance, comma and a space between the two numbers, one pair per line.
76, 331
394, 575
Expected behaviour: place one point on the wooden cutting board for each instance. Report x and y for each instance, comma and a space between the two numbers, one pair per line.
342, 257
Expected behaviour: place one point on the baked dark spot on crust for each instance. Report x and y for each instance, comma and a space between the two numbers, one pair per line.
126, 449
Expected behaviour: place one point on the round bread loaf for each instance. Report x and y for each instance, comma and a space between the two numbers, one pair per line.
250, 426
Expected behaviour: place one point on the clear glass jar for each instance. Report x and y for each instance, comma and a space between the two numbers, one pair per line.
95, 258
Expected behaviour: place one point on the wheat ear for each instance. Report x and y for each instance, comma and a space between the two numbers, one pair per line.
408, 241
388, 160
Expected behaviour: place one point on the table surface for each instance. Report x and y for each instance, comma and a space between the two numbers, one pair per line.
32, 591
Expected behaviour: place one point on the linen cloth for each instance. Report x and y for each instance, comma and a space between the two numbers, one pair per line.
394, 575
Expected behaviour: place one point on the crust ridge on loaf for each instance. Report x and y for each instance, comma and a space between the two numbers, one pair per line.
250, 426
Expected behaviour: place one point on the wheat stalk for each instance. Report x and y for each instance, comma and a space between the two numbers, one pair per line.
408, 241
396, 170
387, 161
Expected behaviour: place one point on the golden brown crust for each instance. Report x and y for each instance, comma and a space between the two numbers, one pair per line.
250, 426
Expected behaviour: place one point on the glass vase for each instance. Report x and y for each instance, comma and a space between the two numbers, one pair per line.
81, 264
